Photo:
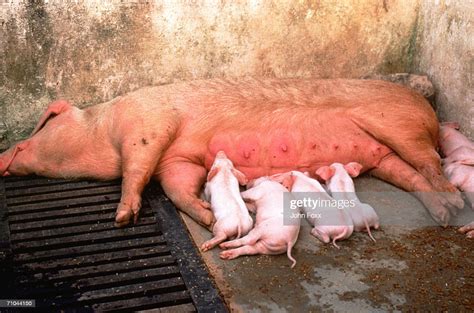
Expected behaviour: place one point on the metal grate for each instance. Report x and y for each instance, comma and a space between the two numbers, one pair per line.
63, 251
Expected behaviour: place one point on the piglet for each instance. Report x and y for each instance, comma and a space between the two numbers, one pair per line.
270, 235
230, 211
451, 139
462, 176
340, 184
332, 223
464, 155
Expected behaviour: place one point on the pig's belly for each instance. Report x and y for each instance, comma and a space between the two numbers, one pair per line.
274, 151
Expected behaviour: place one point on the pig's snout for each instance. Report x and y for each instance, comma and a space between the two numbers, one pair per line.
4, 166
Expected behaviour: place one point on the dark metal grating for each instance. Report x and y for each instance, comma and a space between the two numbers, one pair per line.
60, 248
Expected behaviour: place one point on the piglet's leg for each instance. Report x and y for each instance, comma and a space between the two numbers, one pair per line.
250, 239
217, 239
398, 172
182, 183
258, 248
468, 230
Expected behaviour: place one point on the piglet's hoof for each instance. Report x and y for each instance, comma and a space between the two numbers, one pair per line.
468, 230
228, 255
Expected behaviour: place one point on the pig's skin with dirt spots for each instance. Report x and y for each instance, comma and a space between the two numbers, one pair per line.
171, 133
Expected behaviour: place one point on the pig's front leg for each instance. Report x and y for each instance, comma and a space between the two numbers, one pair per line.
142, 138
182, 183
138, 163
468, 230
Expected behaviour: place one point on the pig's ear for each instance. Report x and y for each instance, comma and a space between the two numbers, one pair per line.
353, 168
325, 172
240, 177
212, 173
454, 125
306, 174
467, 162
55, 108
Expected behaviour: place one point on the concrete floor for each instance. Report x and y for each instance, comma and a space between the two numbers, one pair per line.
412, 265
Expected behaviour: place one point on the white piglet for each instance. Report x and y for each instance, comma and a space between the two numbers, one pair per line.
451, 139
222, 191
339, 182
270, 235
329, 223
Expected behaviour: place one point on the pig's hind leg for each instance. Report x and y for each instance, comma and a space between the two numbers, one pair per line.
412, 134
182, 183
398, 172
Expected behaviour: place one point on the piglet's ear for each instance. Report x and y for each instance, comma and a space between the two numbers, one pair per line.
240, 177
325, 172
288, 182
467, 161
212, 173
306, 174
353, 168
454, 125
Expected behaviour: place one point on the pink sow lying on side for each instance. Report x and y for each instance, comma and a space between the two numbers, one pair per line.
172, 133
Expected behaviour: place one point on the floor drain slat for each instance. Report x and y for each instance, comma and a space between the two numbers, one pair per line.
102, 258
81, 185
64, 251
64, 203
60, 195
74, 211
73, 230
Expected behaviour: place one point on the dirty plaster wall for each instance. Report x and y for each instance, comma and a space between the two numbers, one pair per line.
445, 52
91, 51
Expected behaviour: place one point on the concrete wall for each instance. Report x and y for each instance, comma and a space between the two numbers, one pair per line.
445, 52
91, 51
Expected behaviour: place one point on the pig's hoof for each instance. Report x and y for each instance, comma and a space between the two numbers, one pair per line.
123, 218
205, 217
440, 206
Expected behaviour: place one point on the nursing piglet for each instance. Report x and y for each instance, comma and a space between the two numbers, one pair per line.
451, 140
461, 176
270, 235
340, 184
330, 224
230, 211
